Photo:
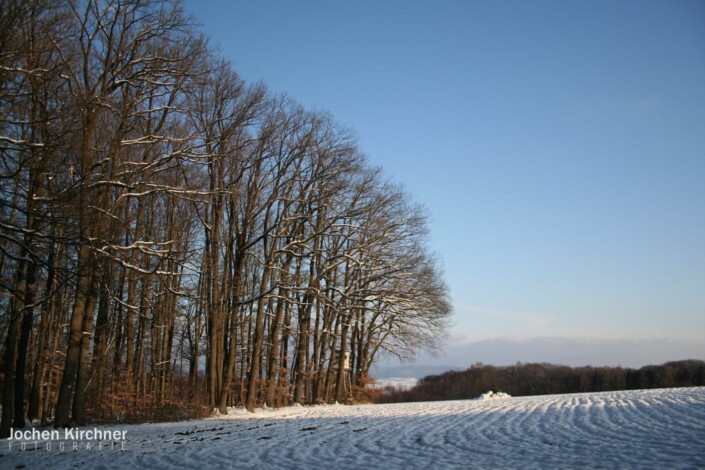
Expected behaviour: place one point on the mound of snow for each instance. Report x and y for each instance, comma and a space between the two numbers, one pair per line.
492, 395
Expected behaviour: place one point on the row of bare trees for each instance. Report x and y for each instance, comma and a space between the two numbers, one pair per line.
171, 233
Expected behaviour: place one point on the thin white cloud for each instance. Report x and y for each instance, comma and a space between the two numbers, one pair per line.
572, 351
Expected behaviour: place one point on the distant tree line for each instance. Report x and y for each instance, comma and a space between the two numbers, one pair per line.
545, 379
172, 236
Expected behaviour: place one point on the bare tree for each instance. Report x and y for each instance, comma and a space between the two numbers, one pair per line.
155, 209
128, 63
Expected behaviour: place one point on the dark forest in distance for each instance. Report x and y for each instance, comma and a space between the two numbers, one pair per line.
545, 379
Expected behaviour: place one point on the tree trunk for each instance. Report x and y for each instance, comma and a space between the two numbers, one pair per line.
301, 348
340, 387
73, 354
83, 357
231, 358
272, 360
15, 314
102, 326
34, 409
253, 378
27, 319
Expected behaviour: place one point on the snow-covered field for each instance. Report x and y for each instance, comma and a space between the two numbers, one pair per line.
634, 429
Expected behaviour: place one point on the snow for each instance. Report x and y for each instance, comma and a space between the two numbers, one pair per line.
631, 429
398, 383
493, 395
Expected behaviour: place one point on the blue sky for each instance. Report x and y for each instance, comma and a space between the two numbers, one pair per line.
558, 146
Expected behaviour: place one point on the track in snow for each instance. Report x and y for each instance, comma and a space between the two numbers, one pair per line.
631, 429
